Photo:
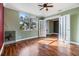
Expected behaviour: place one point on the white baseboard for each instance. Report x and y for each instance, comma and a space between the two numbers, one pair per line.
51, 33
1, 49
74, 43
20, 40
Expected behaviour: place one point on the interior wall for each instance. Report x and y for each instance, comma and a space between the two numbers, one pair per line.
75, 28
47, 27
1, 25
51, 27
56, 27
11, 21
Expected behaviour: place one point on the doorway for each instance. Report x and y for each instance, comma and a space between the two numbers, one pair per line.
52, 28
56, 26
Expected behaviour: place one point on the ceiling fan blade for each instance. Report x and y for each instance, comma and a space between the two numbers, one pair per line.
50, 6
40, 5
42, 8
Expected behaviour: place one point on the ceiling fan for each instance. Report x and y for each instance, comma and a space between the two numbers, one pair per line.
45, 5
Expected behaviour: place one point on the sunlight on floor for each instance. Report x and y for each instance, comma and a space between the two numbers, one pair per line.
31, 50
64, 47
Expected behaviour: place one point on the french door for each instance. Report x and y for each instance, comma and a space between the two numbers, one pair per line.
42, 28
64, 28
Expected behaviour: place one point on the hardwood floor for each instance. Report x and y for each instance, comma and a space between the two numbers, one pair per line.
49, 46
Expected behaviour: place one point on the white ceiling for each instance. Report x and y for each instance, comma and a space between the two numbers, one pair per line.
34, 9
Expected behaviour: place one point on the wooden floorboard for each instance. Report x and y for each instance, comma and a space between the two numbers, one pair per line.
49, 46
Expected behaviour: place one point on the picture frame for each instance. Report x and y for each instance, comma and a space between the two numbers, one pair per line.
28, 23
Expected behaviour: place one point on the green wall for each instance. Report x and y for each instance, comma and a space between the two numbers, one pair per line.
50, 26
11, 21
75, 28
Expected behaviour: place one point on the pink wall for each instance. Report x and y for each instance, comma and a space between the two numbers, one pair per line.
1, 24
